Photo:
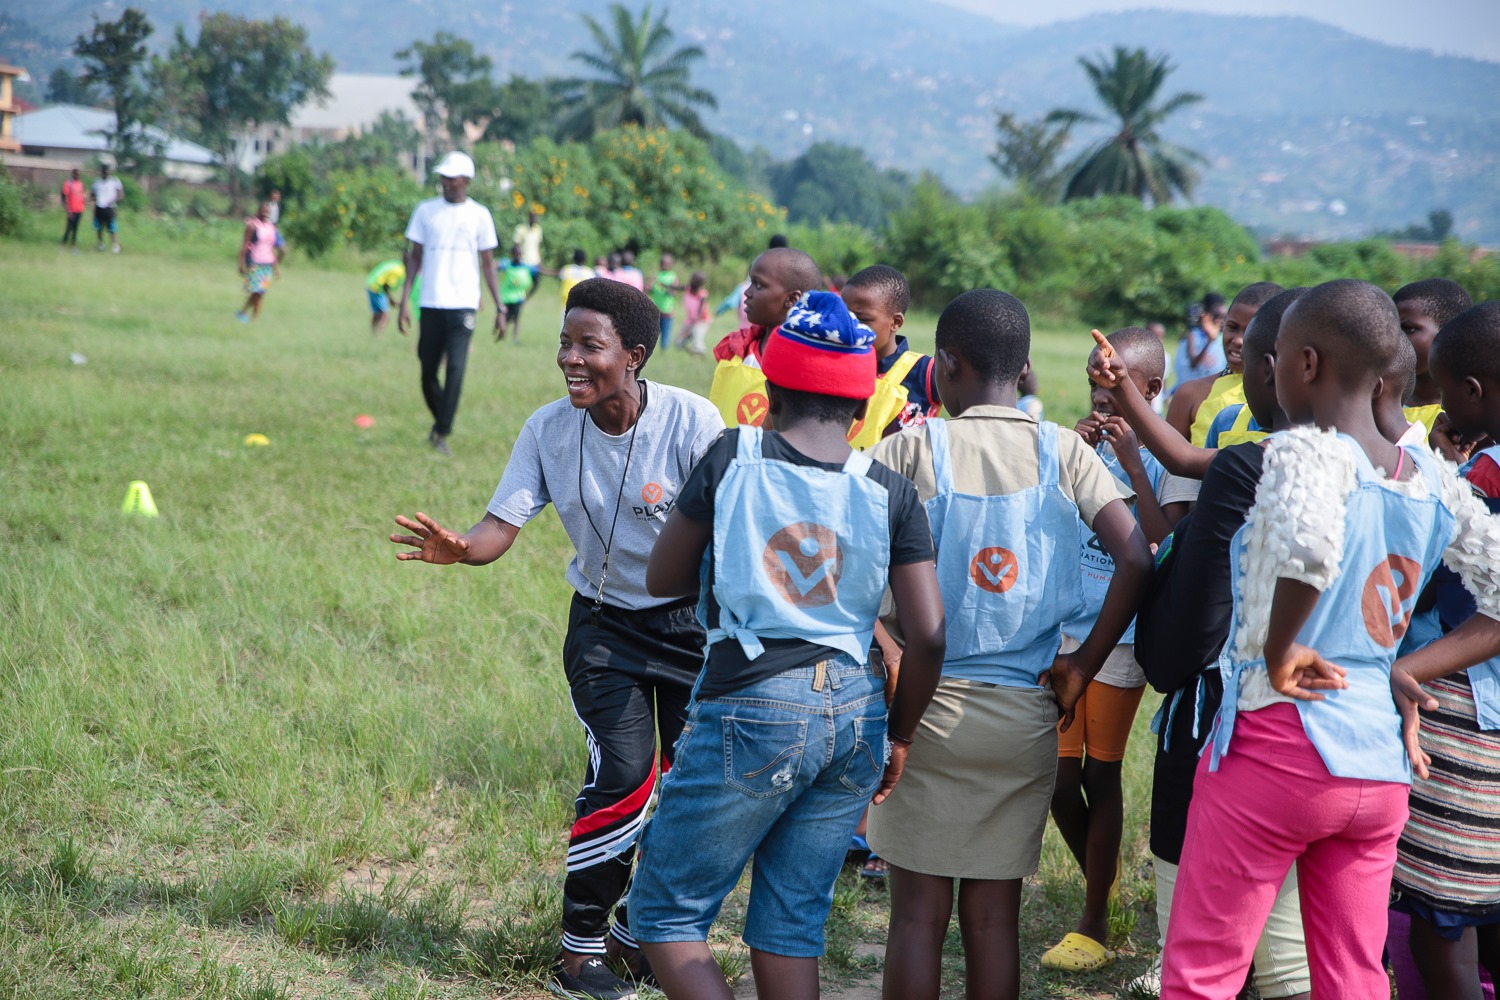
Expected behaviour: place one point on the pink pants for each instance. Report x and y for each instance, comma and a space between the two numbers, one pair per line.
1271, 803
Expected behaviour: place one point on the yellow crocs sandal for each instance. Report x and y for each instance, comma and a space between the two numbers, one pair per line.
1077, 953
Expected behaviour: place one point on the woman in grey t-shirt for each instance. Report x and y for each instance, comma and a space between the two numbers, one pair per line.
611, 458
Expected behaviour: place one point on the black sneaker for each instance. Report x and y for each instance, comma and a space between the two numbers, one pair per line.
593, 982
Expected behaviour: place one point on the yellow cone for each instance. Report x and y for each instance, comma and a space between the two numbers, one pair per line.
138, 501
256, 439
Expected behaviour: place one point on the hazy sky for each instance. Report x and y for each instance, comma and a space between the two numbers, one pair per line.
1458, 27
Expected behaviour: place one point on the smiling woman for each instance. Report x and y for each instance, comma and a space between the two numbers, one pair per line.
611, 458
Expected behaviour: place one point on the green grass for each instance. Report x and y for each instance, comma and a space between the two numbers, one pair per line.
244, 753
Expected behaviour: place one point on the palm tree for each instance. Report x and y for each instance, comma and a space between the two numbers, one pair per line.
642, 81
1134, 160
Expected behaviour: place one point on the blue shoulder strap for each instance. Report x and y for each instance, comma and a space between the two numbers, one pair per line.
1423, 459
750, 444
858, 463
1046, 453
942, 461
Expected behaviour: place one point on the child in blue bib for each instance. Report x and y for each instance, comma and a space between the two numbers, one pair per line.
1306, 762
790, 537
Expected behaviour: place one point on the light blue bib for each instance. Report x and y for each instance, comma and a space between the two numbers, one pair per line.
799, 552
1007, 566
1098, 567
1392, 543
1484, 678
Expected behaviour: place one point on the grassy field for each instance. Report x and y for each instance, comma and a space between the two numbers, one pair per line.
246, 754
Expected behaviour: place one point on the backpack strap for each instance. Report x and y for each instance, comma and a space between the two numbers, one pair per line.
751, 444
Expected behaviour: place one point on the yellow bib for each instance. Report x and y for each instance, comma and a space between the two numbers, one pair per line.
1424, 415
1226, 391
739, 391
887, 403
1239, 432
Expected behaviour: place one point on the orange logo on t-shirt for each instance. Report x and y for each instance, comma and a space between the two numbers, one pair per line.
1383, 603
804, 562
651, 493
994, 569
752, 409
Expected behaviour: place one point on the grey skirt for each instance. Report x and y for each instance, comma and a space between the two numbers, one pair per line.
974, 797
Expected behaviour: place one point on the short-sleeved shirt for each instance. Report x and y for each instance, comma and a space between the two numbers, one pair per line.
994, 454
73, 195
451, 235
571, 275
727, 668
561, 458
529, 239
108, 191
1224, 420
515, 282
661, 292
385, 277
631, 276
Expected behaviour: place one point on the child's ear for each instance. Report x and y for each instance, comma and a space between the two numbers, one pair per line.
1474, 388
1025, 372
897, 321
947, 363
1311, 364
1153, 388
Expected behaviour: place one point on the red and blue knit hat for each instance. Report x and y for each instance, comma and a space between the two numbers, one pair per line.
821, 348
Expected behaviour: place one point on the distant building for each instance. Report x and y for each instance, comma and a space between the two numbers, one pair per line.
58, 138
8, 75
355, 103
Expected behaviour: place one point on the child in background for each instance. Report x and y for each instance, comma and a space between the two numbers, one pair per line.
1088, 802
602, 268
905, 394
629, 273
1195, 405
778, 278
1425, 307
696, 317
259, 261
792, 537
1306, 763
1030, 402
515, 286
664, 289
613, 269
1201, 353
1448, 852
973, 803
735, 300
381, 283
570, 275
1180, 631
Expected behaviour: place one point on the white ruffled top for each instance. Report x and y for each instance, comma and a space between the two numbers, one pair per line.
1296, 530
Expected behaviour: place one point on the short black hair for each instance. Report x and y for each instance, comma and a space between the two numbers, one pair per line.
634, 316
1212, 300
1260, 335
579, 257
796, 268
1256, 295
989, 329
1141, 350
777, 241
1438, 298
1354, 327
1468, 345
887, 282
789, 406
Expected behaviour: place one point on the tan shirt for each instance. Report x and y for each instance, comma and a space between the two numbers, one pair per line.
993, 451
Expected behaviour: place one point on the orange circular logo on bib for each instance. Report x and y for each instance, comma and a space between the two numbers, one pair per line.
994, 569
752, 409
804, 562
1383, 602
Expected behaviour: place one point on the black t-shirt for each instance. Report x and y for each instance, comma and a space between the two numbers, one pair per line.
728, 668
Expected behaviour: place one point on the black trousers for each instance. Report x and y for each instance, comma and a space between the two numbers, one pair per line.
1176, 766
70, 233
444, 336
631, 675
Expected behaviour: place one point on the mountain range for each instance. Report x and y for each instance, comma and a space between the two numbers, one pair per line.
1309, 130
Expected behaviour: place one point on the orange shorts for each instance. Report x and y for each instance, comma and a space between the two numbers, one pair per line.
1101, 723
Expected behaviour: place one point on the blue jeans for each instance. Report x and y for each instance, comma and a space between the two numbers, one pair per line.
779, 771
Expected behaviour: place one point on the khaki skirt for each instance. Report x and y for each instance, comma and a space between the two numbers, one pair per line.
974, 797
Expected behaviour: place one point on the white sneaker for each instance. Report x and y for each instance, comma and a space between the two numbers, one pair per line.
117, 248
1148, 983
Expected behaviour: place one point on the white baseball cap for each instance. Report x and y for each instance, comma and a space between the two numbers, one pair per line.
455, 164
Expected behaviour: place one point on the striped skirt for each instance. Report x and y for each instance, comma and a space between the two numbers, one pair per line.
1449, 854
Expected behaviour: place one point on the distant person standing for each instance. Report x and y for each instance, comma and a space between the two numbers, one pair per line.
259, 262
72, 200
452, 243
1201, 352
528, 236
274, 201
107, 194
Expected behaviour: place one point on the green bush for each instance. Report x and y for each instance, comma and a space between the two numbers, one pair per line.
838, 247
15, 220
367, 209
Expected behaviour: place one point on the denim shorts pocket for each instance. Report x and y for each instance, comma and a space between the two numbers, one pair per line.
762, 759
866, 764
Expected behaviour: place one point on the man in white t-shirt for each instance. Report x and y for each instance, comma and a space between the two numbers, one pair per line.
452, 243
107, 192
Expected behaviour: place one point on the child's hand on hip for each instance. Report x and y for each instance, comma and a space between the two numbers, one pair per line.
1301, 673
1410, 697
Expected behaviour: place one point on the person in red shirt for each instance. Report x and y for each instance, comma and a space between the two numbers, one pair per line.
72, 200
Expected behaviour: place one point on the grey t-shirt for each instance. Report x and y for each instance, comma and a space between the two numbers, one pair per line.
673, 432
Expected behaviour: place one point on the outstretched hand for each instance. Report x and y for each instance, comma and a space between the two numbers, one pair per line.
433, 542
1409, 698
1106, 368
1302, 673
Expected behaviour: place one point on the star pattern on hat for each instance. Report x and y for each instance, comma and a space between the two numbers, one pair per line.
822, 317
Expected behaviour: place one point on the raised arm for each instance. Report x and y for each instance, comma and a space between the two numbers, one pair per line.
487, 541
1175, 453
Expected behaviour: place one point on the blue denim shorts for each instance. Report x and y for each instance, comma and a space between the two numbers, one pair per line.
780, 772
